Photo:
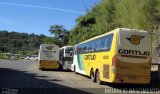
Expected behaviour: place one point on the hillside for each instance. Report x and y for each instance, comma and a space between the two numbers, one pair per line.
110, 14
15, 42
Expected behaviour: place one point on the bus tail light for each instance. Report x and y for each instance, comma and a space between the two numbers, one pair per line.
114, 61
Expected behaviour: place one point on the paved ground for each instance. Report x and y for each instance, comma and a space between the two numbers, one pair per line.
23, 77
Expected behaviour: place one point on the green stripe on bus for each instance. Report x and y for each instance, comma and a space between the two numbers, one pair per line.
80, 62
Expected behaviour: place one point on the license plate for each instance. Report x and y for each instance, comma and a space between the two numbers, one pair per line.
132, 77
69, 62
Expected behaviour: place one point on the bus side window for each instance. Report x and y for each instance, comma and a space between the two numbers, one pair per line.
109, 41
81, 49
91, 48
96, 45
85, 48
102, 44
107, 45
75, 50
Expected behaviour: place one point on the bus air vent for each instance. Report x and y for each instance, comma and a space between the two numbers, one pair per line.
106, 71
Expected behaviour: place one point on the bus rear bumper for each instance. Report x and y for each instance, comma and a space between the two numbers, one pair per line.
48, 64
132, 79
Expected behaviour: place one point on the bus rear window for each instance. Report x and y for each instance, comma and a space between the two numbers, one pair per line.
68, 50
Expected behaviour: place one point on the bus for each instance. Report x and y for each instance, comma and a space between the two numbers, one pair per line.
65, 57
122, 55
48, 57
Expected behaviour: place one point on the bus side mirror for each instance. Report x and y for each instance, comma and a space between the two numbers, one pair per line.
71, 53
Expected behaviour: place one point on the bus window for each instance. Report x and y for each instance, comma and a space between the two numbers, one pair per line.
96, 45
109, 41
102, 44
85, 48
90, 46
67, 52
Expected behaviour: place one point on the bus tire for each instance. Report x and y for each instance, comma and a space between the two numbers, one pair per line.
97, 78
60, 67
92, 76
75, 70
42, 69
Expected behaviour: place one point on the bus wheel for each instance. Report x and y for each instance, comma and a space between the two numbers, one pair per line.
97, 78
42, 69
92, 75
60, 67
75, 70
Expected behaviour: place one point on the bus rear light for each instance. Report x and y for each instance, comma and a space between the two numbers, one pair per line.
114, 61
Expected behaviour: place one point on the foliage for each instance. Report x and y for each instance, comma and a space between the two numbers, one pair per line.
111, 14
23, 43
60, 35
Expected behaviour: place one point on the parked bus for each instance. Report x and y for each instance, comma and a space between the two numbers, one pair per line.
48, 56
65, 57
120, 56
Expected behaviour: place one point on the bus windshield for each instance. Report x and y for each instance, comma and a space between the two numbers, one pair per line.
68, 50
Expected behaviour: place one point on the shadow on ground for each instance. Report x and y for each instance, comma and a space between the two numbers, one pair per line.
153, 87
59, 70
22, 82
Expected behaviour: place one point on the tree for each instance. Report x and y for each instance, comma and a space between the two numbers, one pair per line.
60, 34
57, 30
110, 14
48, 40
14, 42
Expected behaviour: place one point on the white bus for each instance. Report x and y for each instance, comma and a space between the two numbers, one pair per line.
48, 56
65, 57
120, 56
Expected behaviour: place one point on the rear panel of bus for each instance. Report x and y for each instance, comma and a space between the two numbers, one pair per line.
132, 62
65, 57
68, 58
49, 56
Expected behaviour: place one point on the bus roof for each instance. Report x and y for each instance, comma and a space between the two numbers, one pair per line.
115, 30
48, 44
66, 47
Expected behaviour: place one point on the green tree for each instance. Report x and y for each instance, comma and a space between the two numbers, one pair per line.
110, 14
60, 34
15, 42
48, 40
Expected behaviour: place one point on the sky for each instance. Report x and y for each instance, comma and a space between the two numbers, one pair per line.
35, 16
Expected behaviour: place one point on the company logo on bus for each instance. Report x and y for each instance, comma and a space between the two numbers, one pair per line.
49, 48
134, 52
90, 57
135, 39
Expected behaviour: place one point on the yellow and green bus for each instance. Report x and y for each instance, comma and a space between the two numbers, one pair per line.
48, 57
120, 56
